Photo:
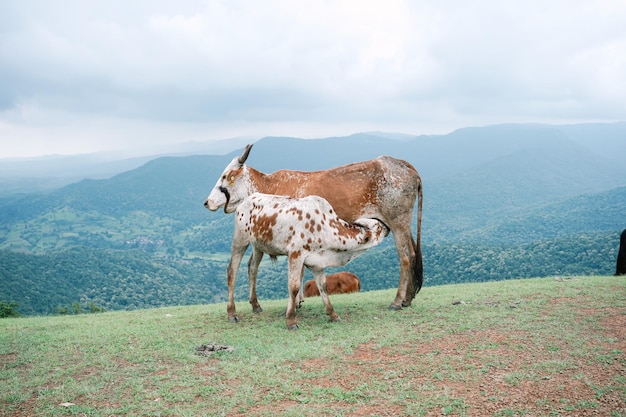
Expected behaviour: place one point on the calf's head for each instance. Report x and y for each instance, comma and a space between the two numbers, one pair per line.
233, 185
376, 231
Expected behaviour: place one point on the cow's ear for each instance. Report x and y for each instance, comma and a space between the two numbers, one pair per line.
245, 154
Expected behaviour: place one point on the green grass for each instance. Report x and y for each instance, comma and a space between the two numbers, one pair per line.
434, 358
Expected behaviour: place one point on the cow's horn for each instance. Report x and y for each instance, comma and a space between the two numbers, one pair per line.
245, 153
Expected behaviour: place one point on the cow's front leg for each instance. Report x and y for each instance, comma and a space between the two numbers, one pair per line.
295, 265
237, 253
253, 270
320, 280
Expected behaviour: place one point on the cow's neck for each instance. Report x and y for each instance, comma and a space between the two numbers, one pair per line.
264, 183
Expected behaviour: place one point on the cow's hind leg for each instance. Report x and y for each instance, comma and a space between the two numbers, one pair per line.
406, 255
320, 280
253, 269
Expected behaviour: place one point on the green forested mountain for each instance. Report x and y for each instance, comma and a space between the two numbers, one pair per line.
499, 202
130, 279
111, 279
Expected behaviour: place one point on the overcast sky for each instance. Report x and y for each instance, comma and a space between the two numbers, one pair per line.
84, 76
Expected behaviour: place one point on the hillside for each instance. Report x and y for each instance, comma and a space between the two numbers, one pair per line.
540, 347
493, 192
111, 279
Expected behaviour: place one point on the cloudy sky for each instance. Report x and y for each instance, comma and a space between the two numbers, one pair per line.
84, 76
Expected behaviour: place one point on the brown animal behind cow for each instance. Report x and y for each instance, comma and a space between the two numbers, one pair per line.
339, 283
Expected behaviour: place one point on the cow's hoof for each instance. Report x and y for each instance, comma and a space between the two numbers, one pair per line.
258, 310
336, 319
293, 327
395, 307
234, 319
406, 304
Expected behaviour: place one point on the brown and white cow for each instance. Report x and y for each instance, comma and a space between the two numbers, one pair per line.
384, 188
338, 283
306, 230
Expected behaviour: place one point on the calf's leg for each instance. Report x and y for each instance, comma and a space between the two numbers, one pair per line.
300, 297
253, 269
320, 280
295, 266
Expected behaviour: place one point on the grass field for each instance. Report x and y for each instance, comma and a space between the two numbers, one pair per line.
535, 347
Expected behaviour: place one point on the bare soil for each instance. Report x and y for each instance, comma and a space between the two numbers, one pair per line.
486, 373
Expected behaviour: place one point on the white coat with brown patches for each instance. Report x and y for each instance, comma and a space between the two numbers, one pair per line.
384, 188
308, 231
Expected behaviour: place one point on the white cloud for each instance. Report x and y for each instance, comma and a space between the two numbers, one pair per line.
136, 68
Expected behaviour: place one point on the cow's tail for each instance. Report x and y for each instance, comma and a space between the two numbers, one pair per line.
418, 266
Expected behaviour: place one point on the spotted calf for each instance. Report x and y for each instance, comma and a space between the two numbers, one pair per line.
308, 232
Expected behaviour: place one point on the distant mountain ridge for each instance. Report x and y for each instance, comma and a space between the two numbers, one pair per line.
24, 175
20, 175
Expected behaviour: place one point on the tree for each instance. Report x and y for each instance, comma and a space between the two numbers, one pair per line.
77, 308
95, 308
8, 309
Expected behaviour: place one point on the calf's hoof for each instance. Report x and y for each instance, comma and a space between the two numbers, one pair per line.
335, 319
293, 327
395, 307
234, 319
257, 310
406, 304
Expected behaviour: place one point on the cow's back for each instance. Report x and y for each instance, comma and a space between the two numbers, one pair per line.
376, 188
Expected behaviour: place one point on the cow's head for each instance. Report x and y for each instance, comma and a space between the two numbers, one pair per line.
233, 185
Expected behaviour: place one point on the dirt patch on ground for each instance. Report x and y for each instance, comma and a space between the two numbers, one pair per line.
476, 373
